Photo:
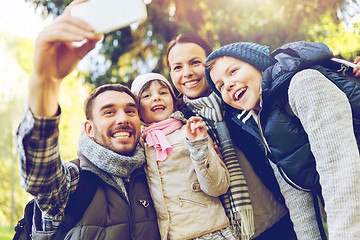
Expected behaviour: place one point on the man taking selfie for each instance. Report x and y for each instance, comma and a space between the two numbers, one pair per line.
121, 207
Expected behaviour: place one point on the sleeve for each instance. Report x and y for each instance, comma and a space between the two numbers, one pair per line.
211, 172
42, 173
325, 114
301, 208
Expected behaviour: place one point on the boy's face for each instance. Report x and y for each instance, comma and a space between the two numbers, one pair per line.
156, 103
115, 124
238, 82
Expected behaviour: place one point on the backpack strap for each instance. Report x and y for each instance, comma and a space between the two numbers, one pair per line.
78, 202
23, 227
319, 212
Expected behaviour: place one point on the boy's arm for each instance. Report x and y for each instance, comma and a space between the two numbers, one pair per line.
326, 116
301, 208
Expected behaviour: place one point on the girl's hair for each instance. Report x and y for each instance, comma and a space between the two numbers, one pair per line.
147, 85
188, 38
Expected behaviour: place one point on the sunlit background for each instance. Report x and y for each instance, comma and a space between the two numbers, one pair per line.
141, 48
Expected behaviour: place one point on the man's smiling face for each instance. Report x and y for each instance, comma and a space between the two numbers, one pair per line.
115, 122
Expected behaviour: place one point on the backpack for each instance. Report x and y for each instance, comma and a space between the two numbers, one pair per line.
342, 67
75, 208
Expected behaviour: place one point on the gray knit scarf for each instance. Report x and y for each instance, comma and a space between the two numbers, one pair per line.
116, 165
236, 201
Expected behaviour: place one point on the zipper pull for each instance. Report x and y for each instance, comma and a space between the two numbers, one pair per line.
144, 203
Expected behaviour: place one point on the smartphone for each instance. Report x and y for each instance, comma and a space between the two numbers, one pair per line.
109, 15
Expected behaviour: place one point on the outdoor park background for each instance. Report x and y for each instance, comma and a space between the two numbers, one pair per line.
141, 48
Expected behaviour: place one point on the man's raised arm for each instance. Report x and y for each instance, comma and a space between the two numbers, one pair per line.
55, 57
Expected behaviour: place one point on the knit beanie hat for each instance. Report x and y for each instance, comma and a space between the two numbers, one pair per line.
141, 80
254, 54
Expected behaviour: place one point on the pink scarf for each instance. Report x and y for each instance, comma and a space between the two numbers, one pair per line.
155, 135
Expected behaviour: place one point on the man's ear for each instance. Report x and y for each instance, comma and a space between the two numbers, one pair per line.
89, 130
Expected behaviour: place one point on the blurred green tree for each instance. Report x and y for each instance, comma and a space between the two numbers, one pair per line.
16, 67
12, 98
141, 48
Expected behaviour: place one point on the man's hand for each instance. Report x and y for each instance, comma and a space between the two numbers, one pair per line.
357, 67
55, 57
195, 129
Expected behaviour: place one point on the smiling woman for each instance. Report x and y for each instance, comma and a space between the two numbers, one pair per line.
253, 196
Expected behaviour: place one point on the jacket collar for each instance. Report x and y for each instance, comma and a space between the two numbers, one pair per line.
289, 59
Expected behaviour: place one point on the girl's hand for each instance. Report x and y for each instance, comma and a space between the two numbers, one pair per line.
195, 129
356, 70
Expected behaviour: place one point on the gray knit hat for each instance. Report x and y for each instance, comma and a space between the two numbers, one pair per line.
256, 55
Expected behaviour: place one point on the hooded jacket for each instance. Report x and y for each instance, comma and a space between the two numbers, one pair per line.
287, 143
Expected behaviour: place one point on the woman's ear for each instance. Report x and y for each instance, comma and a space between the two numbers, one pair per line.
88, 128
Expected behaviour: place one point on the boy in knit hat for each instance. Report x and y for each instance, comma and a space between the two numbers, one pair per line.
302, 115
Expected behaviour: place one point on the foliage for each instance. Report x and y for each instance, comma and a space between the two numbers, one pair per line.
72, 96
16, 68
12, 97
6, 233
343, 40
141, 48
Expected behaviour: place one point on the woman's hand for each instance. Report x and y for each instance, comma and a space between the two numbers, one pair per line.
356, 70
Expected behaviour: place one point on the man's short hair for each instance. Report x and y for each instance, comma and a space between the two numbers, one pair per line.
88, 105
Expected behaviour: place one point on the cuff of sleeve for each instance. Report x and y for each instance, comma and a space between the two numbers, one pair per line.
198, 148
41, 127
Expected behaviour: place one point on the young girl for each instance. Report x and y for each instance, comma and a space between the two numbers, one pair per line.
184, 172
304, 118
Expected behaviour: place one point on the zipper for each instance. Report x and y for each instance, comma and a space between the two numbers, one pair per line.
187, 200
290, 182
266, 146
145, 204
267, 149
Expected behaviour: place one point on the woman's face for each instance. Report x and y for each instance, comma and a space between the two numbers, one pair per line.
238, 82
187, 70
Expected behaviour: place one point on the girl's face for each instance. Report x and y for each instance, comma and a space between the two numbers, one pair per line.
187, 70
156, 103
238, 82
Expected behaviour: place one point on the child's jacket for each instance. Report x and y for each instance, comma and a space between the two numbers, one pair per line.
185, 191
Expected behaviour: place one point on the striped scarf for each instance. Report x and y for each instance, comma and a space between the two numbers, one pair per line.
236, 201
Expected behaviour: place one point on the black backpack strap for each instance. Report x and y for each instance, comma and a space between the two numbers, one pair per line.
78, 203
23, 227
318, 206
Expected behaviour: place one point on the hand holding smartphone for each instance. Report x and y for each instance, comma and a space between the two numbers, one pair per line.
109, 15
